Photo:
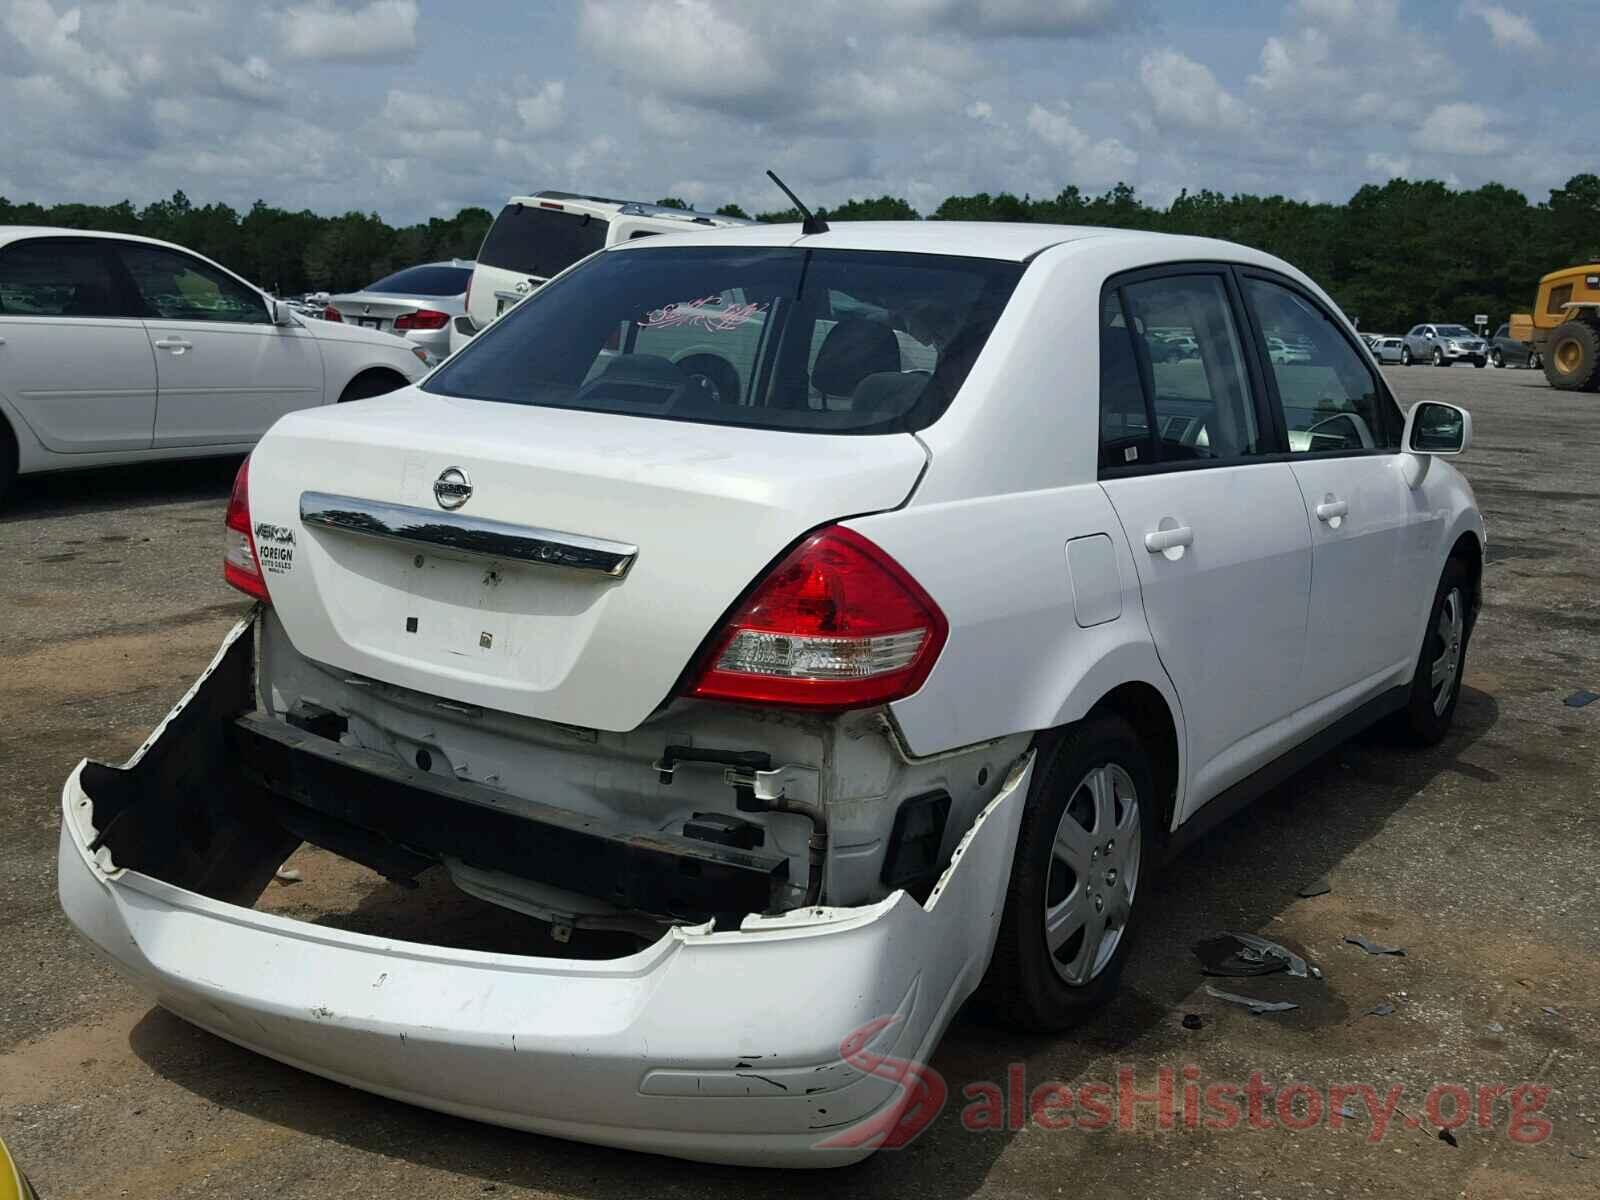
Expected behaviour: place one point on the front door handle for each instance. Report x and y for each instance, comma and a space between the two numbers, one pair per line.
176, 345
1159, 541
1329, 509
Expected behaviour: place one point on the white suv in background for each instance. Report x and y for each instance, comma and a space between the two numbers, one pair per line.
538, 236
822, 699
116, 349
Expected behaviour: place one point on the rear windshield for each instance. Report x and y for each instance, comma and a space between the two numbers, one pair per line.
821, 341
540, 241
424, 281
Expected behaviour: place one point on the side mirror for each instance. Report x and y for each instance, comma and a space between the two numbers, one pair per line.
1439, 429
279, 312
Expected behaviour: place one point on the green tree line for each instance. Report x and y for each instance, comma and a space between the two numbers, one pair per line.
1392, 255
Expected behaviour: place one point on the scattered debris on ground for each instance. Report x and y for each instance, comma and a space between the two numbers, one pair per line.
1192, 1021
1380, 1010
1579, 699
1317, 887
288, 875
1372, 947
1243, 955
1257, 1007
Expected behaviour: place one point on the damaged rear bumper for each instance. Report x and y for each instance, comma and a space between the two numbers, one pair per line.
715, 1044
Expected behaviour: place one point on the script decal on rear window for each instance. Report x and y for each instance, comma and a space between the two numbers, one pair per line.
708, 313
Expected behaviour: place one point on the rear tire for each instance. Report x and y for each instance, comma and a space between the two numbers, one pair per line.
1572, 363
1085, 855
1498, 359
1405, 356
1442, 661
371, 383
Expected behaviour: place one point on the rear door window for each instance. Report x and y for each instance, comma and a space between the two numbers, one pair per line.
541, 242
1192, 363
58, 277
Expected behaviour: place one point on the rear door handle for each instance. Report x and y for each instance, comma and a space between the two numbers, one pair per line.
177, 344
1329, 509
1160, 540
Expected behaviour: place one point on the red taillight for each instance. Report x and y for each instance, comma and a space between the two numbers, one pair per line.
423, 318
240, 565
836, 624
330, 313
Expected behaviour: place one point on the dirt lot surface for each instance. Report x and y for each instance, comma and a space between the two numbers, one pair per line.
1479, 858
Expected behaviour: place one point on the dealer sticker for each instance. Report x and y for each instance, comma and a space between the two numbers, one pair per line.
275, 548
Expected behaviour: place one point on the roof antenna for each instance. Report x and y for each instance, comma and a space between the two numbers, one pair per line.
812, 223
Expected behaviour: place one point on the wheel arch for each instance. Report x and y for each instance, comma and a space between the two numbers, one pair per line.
1147, 712
1468, 550
372, 374
1128, 681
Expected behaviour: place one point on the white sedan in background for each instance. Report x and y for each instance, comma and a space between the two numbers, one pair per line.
417, 303
119, 349
1387, 349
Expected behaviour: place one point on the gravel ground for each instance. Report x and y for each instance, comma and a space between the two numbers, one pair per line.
1478, 857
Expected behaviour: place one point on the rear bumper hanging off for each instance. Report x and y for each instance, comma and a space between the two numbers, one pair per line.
712, 1043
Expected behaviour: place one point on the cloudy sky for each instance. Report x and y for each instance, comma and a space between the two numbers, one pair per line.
418, 107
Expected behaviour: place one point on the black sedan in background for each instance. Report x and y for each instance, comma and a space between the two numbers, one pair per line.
1505, 351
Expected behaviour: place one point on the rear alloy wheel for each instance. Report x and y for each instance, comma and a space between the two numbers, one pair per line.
1083, 850
1573, 361
1436, 682
1405, 356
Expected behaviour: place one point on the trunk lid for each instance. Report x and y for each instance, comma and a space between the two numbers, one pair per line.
706, 508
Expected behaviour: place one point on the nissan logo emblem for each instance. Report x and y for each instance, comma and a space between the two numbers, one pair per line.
452, 489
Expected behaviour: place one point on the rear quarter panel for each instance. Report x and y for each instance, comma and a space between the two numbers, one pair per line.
1017, 658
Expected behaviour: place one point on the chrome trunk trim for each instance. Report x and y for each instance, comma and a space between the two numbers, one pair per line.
458, 534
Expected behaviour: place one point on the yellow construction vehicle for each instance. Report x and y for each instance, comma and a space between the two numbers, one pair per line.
1564, 327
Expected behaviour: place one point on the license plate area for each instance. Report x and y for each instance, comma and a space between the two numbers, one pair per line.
473, 616
370, 322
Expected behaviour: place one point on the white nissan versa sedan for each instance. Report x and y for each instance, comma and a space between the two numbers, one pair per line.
845, 689
120, 349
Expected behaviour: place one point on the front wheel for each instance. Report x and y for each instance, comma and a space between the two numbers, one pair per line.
1478, 363
1574, 362
1438, 358
1084, 851
1436, 682
1498, 359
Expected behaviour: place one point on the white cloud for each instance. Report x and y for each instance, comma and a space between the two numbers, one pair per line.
1459, 129
253, 79
1509, 30
542, 111
1184, 94
667, 46
381, 31
1092, 162
979, 110
1393, 166
423, 112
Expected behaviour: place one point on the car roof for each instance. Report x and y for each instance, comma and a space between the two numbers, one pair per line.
609, 208
12, 233
1007, 241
